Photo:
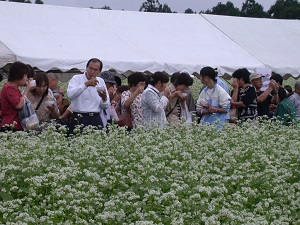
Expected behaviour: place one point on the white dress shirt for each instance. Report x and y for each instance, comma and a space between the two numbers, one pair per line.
86, 99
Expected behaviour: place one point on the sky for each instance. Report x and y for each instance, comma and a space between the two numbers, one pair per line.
134, 5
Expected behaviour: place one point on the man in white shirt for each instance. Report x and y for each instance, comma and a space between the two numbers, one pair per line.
88, 95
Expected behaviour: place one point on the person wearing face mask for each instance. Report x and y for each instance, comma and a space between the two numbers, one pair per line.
155, 100
88, 95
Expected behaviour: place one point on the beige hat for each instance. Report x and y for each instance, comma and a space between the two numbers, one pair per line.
255, 76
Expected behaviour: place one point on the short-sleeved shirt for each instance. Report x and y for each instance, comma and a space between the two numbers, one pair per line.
10, 98
248, 97
135, 107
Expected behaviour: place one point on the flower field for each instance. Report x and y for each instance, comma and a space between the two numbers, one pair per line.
244, 174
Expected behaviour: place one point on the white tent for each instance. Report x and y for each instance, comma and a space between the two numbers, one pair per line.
64, 38
275, 43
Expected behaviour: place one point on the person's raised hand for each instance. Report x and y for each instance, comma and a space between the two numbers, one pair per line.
102, 94
92, 82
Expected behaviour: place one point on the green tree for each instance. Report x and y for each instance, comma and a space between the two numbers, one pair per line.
227, 9
285, 9
250, 8
39, 2
189, 11
164, 8
150, 6
155, 6
106, 7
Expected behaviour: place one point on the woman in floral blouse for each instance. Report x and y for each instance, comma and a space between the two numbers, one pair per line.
132, 98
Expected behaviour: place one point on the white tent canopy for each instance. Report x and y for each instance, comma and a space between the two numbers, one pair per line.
64, 38
275, 43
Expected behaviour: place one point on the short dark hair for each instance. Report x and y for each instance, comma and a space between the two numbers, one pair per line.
278, 78
184, 79
118, 80
282, 93
209, 72
289, 88
17, 71
174, 77
122, 88
95, 60
137, 77
40, 78
30, 71
158, 76
243, 74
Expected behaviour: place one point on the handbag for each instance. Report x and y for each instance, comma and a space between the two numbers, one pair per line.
125, 119
27, 116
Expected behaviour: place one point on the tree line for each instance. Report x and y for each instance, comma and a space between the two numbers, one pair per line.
281, 9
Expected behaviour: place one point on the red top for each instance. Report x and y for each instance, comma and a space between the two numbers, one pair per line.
10, 98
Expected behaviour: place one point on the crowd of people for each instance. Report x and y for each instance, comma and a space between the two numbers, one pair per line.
97, 98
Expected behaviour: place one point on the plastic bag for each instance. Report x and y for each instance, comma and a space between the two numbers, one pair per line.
27, 116
186, 115
113, 114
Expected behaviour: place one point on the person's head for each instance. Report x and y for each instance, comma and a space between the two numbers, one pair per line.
18, 72
288, 88
30, 71
281, 93
122, 88
183, 81
159, 80
297, 87
278, 78
53, 81
118, 81
256, 80
108, 78
174, 77
42, 84
93, 68
208, 74
242, 75
138, 79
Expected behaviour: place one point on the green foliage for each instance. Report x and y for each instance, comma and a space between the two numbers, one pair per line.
285, 9
224, 9
155, 6
252, 9
106, 7
189, 11
39, 2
